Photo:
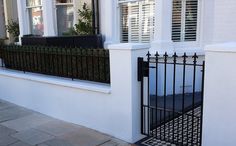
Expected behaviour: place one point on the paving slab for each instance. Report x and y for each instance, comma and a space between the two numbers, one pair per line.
57, 142
110, 143
32, 136
13, 113
7, 140
57, 127
86, 137
22, 127
5, 105
4, 131
19, 143
27, 122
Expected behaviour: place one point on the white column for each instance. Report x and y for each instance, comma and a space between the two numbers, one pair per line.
163, 26
49, 18
126, 89
219, 122
22, 17
108, 21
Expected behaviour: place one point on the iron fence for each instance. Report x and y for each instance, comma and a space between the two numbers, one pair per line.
169, 111
74, 63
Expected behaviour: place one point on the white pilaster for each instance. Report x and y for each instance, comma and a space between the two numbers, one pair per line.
125, 88
163, 27
108, 19
219, 96
22, 17
48, 17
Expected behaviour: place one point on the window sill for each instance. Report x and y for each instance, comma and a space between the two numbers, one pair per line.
59, 81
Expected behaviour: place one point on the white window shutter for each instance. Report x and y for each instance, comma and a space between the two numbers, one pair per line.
147, 21
124, 23
176, 20
137, 21
191, 20
184, 20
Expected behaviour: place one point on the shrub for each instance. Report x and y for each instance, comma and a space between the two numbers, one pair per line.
13, 29
84, 26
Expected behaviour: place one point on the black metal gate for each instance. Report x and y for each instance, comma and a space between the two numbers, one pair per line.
172, 98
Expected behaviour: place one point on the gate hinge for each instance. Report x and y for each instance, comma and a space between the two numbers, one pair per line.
143, 69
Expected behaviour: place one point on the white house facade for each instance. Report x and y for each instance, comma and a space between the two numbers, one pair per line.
166, 25
8, 13
66, 82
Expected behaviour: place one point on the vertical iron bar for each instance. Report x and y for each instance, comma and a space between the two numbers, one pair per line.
41, 59
67, 66
76, 58
98, 54
174, 80
193, 101
104, 68
36, 59
58, 63
156, 113
165, 79
53, 61
87, 65
183, 96
71, 61
81, 63
148, 96
92, 57
62, 63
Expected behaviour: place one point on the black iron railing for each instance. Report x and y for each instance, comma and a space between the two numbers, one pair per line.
172, 98
74, 63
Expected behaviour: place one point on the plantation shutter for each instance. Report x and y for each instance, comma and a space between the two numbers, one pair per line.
184, 20
137, 21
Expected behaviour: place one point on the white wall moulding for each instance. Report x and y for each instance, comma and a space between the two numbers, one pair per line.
219, 98
115, 108
58, 81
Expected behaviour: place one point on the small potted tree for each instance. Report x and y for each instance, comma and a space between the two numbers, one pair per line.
13, 29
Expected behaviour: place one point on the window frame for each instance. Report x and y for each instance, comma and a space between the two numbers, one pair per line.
28, 15
196, 43
73, 4
119, 3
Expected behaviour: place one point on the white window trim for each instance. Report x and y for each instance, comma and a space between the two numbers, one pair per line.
118, 3
27, 15
74, 5
193, 44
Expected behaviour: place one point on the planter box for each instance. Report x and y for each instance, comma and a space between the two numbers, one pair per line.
88, 41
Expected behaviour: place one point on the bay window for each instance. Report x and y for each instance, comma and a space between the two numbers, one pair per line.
136, 20
35, 14
185, 20
65, 15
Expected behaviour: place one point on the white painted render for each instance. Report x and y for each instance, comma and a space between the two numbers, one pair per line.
219, 100
11, 14
114, 109
2, 21
216, 23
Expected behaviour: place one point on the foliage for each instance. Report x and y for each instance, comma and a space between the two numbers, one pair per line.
13, 28
84, 25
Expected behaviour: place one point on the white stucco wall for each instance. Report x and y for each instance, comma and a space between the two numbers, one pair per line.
114, 109
219, 128
2, 21
218, 23
224, 22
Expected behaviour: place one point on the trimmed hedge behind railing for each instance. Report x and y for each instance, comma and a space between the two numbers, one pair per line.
74, 63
